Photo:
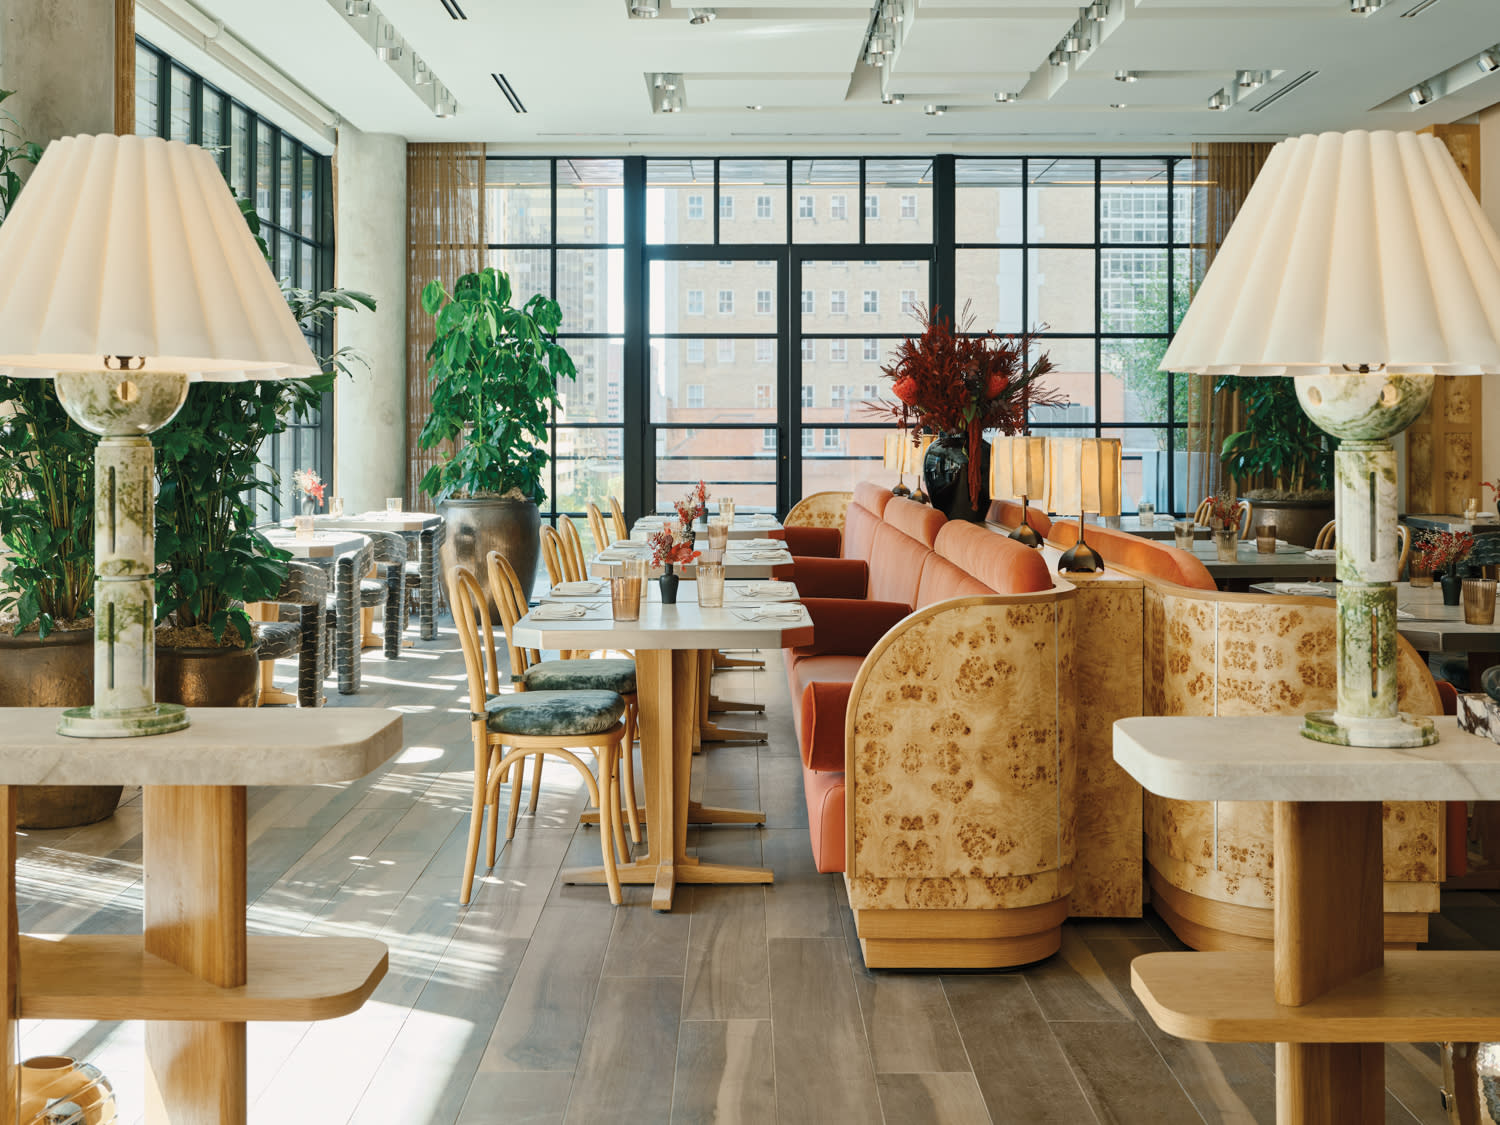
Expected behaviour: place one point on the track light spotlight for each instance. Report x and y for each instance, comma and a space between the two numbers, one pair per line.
645, 9
1488, 61
1005, 97
1097, 12
1420, 94
1057, 58
1118, 105
443, 105
357, 7
702, 16
1365, 7
1219, 101
1071, 43
934, 110
1127, 76
1249, 79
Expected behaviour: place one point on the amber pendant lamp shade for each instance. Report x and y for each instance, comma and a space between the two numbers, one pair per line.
1362, 265
127, 272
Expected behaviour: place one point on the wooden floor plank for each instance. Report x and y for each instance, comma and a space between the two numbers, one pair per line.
932, 1099
728, 975
725, 1073
1125, 1080
801, 903
630, 1053
1073, 986
518, 1098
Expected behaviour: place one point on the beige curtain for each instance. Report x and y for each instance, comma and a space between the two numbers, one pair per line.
445, 238
1222, 175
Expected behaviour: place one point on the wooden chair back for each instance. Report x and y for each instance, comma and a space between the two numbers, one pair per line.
1403, 540
505, 589
617, 519
597, 527
471, 614
1327, 536
1205, 511
552, 555
1204, 515
575, 568
1247, 514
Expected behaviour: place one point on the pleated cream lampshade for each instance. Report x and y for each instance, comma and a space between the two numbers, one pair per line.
900, 454
134, 246
1084, 476
1352, 248
1018, 467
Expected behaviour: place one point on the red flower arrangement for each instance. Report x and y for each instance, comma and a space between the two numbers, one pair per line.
1224, 512
693, 506
672, 544
1443, 551
951, 382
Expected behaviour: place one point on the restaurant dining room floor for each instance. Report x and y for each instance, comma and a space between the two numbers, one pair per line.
541, 1003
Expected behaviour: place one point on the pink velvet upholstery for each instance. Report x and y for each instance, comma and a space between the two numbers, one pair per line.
824, 793
813, 542
1007, 513
1145, 556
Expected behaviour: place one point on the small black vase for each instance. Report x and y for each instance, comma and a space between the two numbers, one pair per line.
1453, 588
945, 475
668, 583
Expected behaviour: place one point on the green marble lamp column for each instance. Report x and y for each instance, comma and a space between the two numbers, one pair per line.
123, 407
1365, 409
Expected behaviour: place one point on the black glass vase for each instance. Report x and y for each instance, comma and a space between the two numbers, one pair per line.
668, 583
945, 476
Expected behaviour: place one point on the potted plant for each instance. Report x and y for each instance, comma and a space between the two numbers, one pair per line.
1284, 454
957, 385
210, 558
494, 370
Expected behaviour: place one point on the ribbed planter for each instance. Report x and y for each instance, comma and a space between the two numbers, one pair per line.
207, 677
56, 672
1297, 521
477, 527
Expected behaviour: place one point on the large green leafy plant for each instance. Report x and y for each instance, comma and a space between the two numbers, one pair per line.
46, 473
494, 373
209, 556
1280, 447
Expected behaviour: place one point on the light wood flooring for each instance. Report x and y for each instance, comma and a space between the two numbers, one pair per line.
541, 1003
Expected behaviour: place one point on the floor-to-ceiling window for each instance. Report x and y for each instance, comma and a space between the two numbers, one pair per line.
292, 187
739, 310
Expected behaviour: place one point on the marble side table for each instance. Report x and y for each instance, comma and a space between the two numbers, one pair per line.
194, 975
1329, 995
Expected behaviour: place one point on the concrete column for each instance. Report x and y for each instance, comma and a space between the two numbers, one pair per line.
59, 58
1489, 188
370, 255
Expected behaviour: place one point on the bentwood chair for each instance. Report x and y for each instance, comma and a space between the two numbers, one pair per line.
1204, 515
552, 555
575, 562
617, 519
1327, 536
509, 728
531, 673
1328, 539
597, 528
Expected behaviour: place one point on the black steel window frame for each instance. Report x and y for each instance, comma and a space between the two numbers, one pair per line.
789, 256
281, 239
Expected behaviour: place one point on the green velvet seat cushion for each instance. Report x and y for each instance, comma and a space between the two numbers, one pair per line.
559, 713
581, 675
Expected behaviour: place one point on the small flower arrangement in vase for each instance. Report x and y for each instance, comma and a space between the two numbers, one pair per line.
310, 487
673, 544
1442, 552
1494, 487
693, 508
1224, 523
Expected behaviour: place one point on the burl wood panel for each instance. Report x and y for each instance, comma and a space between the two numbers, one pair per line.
821, 509
1108, 663
1248, 655
955, 802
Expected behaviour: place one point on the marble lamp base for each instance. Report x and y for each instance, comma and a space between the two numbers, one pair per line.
1404, 730
158, 718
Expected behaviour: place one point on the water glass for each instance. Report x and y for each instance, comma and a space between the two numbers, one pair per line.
711, 584
303, 526
336, 508
392, 505
1479, 601
1227, 544
1182, 534
718, 534
1147, 513
625, 590
1420, 575
726, 508
1265, 539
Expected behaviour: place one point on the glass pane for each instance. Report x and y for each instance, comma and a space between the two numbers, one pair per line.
991, 279
865, 297
180, 106
836, 459
752, 201
306, 276
825, 200
842, 380
1185, 210
284, 256
711, 297
1133, 291
1073, 378
1145, 467
1060, 287
1131, 387
590, 201
713, 379
1060, 201
987, 200
213, 119
518, 201
589, 468
287, 184
530, 272
591, 290
309, 213
1184, 269
734, 461
147, 70
263, 171
1133, 201
679, 201
898, 200
239, 150
598, 393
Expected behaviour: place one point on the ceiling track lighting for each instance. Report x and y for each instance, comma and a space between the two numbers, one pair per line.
1251, 79
1419, 95
1365, 7
1057, 58
1097, 12
1488, 61
1119, 105
934, 110
1219, 101
645, 9
443, 105
1006, 97
357, 8
421, 74
1071, 44
1127, 76
703, 16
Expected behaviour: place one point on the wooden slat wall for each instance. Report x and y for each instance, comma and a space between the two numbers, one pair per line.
1444, 448
124, 67
445, 238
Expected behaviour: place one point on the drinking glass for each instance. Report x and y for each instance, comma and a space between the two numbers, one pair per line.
726, 508
1265, 539
1182, 534
303, 526
1421, 575
336, 508
718, 534
1227, 543
392, 505
711, 584
625, 590
1479, 601
1147, 513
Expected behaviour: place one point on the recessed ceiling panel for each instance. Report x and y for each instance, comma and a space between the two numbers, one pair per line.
727, 92
945, 41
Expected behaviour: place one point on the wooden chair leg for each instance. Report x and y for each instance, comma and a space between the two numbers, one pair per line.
492, 802
627, 767
608, 813
517, 782
471, 854
536, 784
611, 761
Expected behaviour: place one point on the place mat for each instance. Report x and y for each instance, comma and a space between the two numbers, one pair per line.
570, 589
764, 591
759, 556
778, 612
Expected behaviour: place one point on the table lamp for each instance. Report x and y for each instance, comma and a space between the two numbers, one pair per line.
127, 272
1360, 264
1083, 476
906, 456
1018, 468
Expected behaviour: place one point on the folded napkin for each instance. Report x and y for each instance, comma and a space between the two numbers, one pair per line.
573, 588
1322, 556
558, 611
756, 544
760, 554
783, 612
618, 554
766, 591
1304, 589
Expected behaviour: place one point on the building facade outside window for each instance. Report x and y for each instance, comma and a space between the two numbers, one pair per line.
695, 207
695, 302
726, 302
695, 396
838, 207
726, 207
805, 207
838, 351
809, 302
726, 351
872, 301
838, 301
908, 206
764, 302
872, 207
762, 207
695, 351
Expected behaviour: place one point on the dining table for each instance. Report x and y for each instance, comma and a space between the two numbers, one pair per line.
1250, 564
671, 643
1485, 523
321, 547
1160, 528
745, 558
746, 525
419, 529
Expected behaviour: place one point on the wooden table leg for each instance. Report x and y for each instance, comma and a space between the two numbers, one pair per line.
10, 954
708, 730
194, 863
1329, 930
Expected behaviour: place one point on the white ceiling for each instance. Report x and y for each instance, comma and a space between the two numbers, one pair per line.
578, 66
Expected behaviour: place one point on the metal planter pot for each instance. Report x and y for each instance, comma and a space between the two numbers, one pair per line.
1297, 521
208, 677
477, 527
56, 672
